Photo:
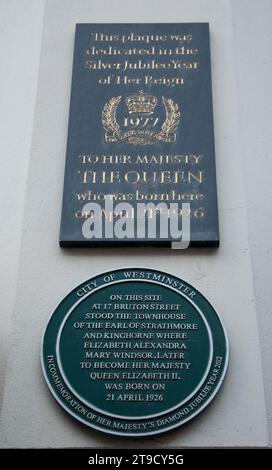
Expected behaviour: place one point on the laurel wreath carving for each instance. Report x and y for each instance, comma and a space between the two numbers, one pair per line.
169, 126
172, 115
109, 115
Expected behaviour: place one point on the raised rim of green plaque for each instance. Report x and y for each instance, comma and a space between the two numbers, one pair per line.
120, 433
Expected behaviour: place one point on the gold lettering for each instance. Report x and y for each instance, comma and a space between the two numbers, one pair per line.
192, 176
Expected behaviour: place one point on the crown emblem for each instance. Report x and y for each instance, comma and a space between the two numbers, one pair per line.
141, 103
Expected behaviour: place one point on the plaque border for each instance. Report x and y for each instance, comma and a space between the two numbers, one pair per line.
152, 432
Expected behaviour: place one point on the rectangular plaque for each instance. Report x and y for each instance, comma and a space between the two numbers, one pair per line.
140, 151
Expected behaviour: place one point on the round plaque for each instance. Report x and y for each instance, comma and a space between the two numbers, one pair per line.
134, 352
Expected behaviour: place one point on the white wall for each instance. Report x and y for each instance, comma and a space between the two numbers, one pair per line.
253, 62
20, 42
30, 417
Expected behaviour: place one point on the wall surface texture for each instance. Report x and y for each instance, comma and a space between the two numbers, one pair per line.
239, 416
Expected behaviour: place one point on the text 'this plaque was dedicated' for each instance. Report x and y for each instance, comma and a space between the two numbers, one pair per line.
140, 152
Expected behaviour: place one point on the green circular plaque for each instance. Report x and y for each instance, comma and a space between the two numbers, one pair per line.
134, 352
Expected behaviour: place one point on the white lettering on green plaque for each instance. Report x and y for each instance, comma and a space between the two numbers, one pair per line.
134, 352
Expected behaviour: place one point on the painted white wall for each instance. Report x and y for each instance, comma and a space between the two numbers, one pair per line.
30, 417
20, 42
252, 23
